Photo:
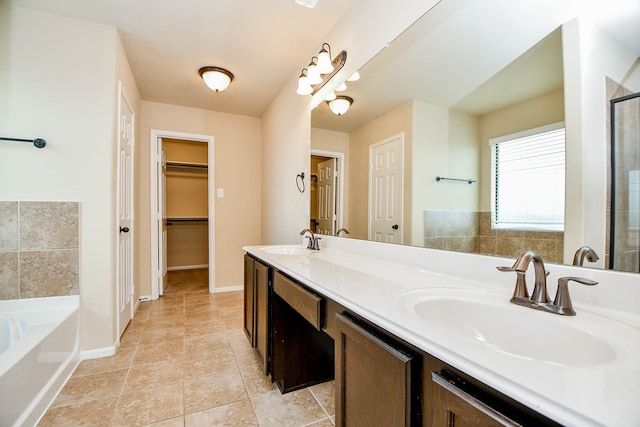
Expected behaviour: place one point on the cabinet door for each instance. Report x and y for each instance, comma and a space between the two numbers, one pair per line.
373, 379
249, 300
453, 407
261, 278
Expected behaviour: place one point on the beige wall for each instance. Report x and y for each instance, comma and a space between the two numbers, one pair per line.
527, 115
286, 124
237, 170
59, 82
396, 121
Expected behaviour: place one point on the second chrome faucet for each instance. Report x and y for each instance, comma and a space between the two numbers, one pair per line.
539, 299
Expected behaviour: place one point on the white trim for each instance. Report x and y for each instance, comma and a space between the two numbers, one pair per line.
98, 352
187, 267
228, 289
340, 156
527, 132
155, 134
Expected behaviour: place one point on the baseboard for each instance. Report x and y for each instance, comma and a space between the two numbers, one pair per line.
228, 289
98, 353
187, 267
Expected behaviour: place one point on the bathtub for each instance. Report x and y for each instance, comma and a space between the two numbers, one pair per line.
38, 353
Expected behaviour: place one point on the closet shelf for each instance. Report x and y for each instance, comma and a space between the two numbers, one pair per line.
186, 219
186, 165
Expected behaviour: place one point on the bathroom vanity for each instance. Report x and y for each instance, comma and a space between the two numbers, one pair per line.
415, 342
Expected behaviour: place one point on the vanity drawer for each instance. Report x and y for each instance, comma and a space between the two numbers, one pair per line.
307, 304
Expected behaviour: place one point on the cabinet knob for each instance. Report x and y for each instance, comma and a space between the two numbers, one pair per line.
124, 229
394, 226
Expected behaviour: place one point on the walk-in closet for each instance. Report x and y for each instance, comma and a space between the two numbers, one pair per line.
186, 198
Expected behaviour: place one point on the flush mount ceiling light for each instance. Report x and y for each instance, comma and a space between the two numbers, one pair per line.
340, 105
306, 3
320, 70
218, 79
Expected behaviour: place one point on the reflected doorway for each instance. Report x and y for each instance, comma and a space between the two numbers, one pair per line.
326, 192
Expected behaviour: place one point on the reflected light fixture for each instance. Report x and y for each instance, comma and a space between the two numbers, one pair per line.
216, 78
331, 96
354, 77
340, 105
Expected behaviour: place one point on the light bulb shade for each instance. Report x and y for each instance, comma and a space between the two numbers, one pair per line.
313, 74
342, 87
324, 60
304, 88
354, 77
340, 105
330, 97
216, 78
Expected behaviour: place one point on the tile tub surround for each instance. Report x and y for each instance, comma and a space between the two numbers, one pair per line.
471, 232
368, 278
38, 249
185, 361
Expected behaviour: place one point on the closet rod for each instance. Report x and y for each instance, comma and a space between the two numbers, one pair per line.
442, 178
38, 142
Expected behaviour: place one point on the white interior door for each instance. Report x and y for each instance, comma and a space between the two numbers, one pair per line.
124, 263
386, 171
327, 175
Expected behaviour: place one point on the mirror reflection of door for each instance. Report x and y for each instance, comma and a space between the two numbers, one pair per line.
326, 193
386, 169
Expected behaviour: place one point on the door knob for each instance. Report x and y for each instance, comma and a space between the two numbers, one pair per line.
124, 229
395, 226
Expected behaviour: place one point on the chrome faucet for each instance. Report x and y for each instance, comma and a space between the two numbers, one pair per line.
585, 251
342, 230
539, 294
313, 239
539, 299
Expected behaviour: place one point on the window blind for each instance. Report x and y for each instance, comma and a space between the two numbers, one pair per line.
528, 181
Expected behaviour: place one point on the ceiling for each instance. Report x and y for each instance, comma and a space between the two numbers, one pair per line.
475, 56
263, 43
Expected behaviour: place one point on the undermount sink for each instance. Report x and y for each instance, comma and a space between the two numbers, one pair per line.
286, 250
488, 319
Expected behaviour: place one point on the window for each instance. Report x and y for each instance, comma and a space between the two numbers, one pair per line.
527, 185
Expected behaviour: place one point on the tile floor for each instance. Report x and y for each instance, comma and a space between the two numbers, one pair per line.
184, 361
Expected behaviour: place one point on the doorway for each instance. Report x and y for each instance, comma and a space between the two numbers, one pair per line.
327, 189
182, 185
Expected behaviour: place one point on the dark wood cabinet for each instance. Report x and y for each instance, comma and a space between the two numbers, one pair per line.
257, 286
262, 288
249, 300
303, 355
454, 407
374, 379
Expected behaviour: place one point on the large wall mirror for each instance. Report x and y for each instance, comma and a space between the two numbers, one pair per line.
466, 74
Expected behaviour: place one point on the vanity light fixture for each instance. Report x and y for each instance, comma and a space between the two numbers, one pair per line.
354, 77
304, 88
340, 105
313, 73
342, 87
324, 59
320, 70
330, 97
216, 78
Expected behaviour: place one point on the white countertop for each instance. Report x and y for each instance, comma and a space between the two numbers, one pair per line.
605, 392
